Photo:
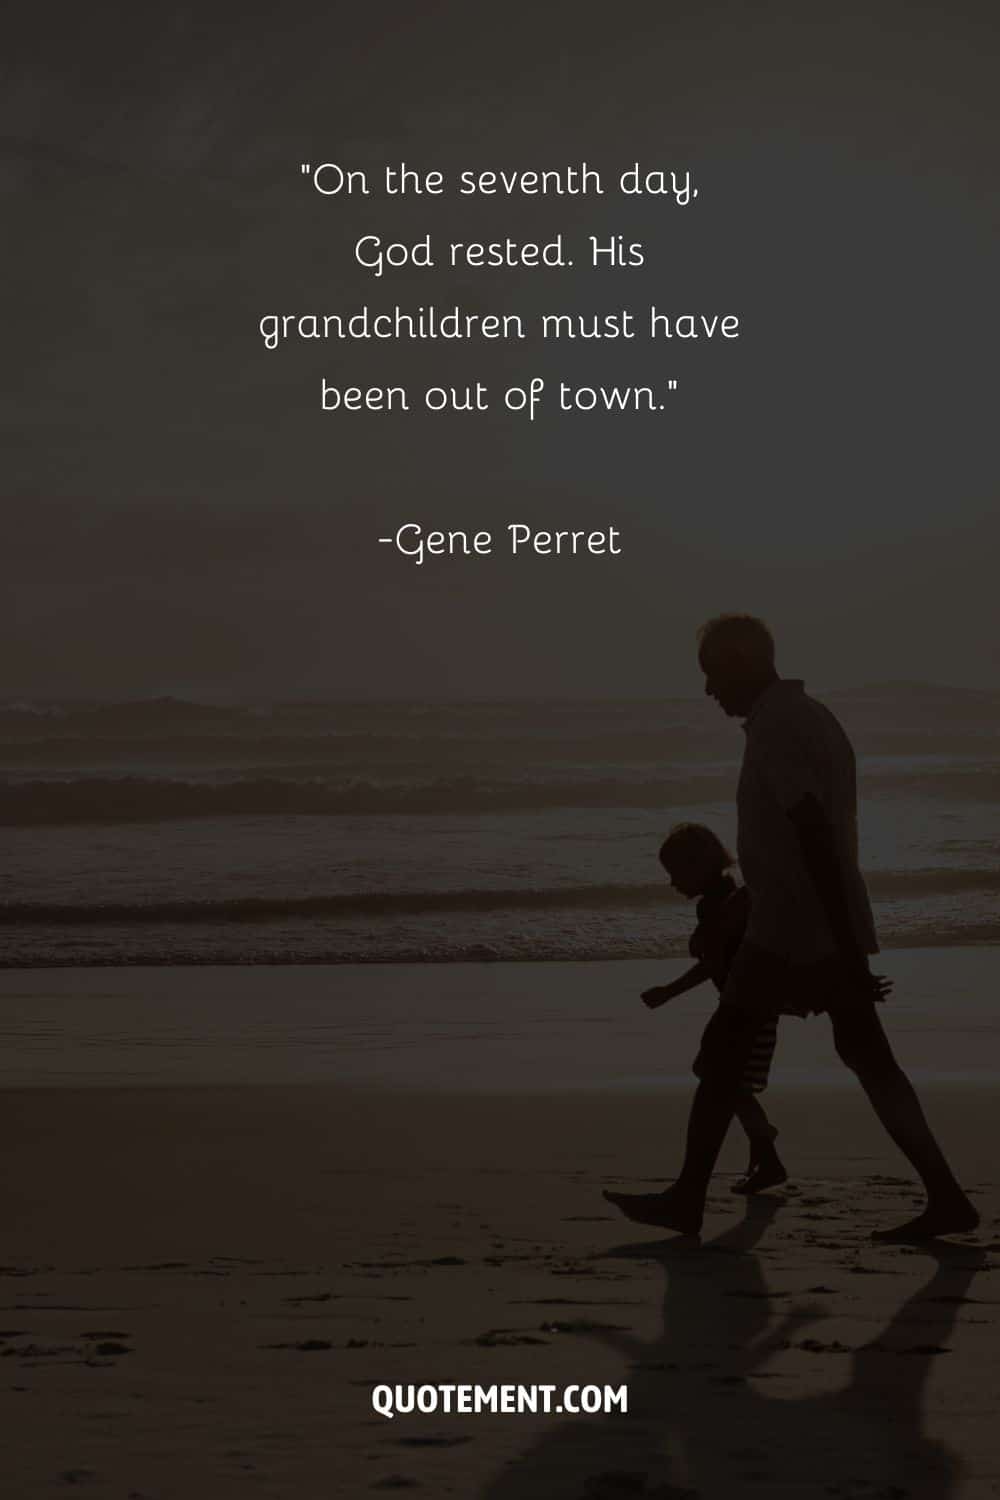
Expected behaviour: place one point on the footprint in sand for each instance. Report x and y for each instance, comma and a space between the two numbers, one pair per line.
432, 1441
307, 1346
498, 1338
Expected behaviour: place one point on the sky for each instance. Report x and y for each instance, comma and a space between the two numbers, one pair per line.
183, 518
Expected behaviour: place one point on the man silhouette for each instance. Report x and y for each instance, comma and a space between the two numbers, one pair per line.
809, 935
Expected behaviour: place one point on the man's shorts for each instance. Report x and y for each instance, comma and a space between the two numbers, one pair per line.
767, 984
762, 986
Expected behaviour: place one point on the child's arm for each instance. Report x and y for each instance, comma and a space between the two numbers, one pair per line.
661, 993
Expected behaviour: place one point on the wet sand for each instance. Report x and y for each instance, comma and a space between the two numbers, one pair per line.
200, 1286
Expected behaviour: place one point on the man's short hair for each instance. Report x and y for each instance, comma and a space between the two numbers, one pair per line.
737, 635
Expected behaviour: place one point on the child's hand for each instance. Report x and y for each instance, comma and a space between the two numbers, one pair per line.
658, 995
883, 986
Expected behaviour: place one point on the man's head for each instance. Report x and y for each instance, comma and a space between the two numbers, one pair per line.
736, 654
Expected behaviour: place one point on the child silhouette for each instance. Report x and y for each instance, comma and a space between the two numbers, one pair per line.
697, 864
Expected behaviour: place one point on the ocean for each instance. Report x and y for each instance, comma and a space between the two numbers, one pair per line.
168, 832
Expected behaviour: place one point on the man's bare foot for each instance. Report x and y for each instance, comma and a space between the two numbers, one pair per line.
764, 1175
667, 1210
948, 1216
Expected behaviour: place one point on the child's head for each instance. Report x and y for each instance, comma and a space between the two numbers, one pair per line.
693, 856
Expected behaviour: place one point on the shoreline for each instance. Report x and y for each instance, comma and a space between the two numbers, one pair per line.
966, 937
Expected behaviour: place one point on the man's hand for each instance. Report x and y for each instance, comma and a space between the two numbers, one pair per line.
657, 996
819, 854
875, 986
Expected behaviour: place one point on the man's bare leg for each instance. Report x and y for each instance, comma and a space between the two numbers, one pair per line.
863, 1045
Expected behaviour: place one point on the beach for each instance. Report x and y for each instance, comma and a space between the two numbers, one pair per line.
204, 1276
542, 553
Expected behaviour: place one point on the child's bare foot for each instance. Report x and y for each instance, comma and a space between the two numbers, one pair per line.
952, 1215
760, 1179
667, 1210
766, 1170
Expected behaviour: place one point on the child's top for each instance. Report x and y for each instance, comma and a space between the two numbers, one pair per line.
722, 918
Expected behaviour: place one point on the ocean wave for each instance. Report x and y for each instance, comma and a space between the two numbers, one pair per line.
141, 799
344, 906
891, 718
548, 949
130, 799
883, 885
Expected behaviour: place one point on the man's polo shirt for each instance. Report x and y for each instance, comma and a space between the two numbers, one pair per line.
795, 747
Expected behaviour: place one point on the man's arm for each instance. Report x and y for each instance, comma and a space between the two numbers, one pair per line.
689, 980
819, 855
